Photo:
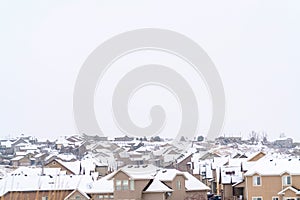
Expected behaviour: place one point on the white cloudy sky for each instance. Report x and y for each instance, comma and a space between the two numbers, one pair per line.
254, 45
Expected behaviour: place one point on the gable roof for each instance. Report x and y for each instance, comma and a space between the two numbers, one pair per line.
193, 184
289, 188
136, 172
256, 156
157, 186
102, 186
168, 174
275, 167
77, 190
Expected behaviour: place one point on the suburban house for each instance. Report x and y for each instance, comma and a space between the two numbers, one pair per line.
21, 161
131, 182
276, 179
150, 182
87, 165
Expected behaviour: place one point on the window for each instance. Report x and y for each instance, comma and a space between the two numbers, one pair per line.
45, 198
275, 198
178, 184
77, 197
131, 184
257, 198
125, 185
118, 184
111, 196
100, 196
257, 181
286, 180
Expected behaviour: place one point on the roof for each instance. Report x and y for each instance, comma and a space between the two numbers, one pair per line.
231, 175
24, 182
138, 172
168, 174
193, 184
275, 167
289, 188
102, 185
77, 190
17, 158
158, 186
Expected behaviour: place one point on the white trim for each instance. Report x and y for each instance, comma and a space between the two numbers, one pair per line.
288, 188
283, 181
256, 198
253, 181
82, 193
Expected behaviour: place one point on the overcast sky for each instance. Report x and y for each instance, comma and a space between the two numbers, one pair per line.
254, 45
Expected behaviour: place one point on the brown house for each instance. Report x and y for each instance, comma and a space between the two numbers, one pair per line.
276, 179
59, 164
20, 161
150, 182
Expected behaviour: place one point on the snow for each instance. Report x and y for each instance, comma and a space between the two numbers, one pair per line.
102, 185
193, 184
140, 172
267, 167
168, 174
158, 186
24, 182
17, 158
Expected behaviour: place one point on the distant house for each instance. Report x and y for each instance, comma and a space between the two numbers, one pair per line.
210, 155
123, 139
59, 164
184, 163
284, 143
21, 161
228, 140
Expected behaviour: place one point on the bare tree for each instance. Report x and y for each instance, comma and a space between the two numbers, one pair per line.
282, 135
264, 137
254, 137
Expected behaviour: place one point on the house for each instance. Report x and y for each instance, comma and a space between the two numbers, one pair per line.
276, 179
71, 169
21, 161
87, 165
284, 142
150, 182
229, 175
183, 163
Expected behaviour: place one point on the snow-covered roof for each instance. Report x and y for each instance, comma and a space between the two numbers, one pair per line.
282, 192
193, 184
81, 192
138, 172
17, 158
268, 167
168, 174
102, 185
231, 175
158, 186
24, 182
